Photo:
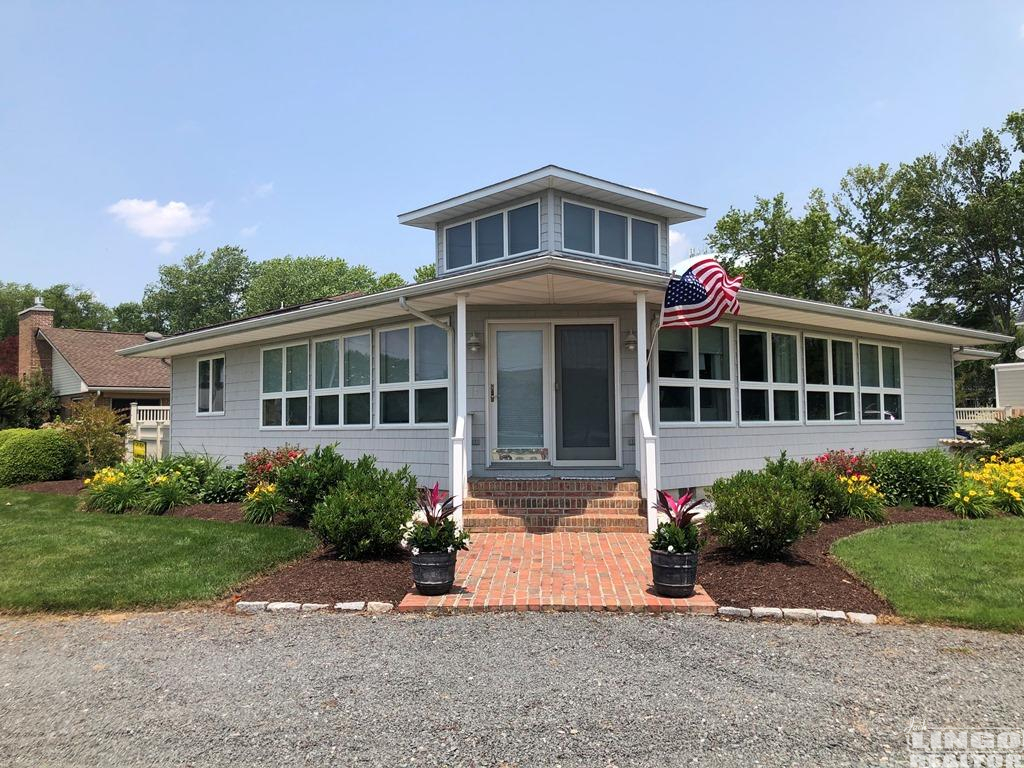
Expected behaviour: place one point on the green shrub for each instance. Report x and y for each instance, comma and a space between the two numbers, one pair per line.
7, 434
223, 485
263, 465
165, 491
98, 434
970, 498
115, 490
759, 514
306, 481
364, 515
1014, 451
1003, 434
827, 494
263, 503
923, 479
36, 455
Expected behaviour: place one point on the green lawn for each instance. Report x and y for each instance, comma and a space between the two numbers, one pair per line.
966, 572
54, 558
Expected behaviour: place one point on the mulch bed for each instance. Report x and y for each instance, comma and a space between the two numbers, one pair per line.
808, 578
322, 578
224, 513
61, 487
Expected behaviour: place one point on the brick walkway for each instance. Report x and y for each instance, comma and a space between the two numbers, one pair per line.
556, 571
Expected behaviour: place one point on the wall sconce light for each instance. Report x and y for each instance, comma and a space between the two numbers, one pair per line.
630, 341
473, 343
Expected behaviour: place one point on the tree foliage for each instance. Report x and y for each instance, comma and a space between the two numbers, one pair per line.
292, 280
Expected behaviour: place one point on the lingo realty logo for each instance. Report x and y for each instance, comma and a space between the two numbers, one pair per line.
965, 746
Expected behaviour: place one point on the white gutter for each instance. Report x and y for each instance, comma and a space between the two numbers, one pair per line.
444, 325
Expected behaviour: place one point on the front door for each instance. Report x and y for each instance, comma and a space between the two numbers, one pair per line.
585, 405
551, 392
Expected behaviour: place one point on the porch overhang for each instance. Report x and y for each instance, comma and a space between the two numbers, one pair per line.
547, 279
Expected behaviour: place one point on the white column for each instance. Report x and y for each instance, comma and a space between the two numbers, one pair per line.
459, 447
646, 448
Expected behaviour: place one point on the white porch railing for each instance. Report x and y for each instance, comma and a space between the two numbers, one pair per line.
647, 464
149, 424
970, 417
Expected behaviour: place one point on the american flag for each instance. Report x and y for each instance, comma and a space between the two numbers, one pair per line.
700, 295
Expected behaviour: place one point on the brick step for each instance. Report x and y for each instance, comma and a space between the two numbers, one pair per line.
525, 502
533, 523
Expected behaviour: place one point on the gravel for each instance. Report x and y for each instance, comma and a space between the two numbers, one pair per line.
207, 688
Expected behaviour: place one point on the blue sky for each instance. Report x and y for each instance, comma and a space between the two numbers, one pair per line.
131, 134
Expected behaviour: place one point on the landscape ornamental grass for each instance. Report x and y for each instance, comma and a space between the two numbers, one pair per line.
996, 485
35, 455
54, 558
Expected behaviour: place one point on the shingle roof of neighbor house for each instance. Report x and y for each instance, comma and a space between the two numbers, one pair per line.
93, 355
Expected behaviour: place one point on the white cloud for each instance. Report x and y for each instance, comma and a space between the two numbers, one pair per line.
147, 218
249, 231
260, 191
165, 247
679, 247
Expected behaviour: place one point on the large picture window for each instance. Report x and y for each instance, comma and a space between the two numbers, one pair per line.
881, 383
596, 231
284, 387
511, 232
694, 375
341, 381
769, 380
210, 386
412, 379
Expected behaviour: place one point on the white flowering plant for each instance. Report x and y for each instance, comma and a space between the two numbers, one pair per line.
433, 529
679, 533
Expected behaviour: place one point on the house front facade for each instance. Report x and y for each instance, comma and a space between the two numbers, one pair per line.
535, 357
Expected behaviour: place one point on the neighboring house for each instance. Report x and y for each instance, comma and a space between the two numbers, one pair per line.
527, 359
83, 364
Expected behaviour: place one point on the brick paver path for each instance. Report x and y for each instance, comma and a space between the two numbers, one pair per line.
556, 571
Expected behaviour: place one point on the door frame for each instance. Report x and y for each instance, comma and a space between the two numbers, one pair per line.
547, 325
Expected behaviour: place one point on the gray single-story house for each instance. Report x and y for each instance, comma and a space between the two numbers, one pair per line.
526, 361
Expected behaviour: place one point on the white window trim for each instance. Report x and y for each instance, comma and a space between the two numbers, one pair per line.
831, 388
597, 209
341, 390
472, 237
696, 383
770, 386
881, 390
210, 360
411, 384
285, 393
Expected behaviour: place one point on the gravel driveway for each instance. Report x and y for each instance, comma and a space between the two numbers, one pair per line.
208, 689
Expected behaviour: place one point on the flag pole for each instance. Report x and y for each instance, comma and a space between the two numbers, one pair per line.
654, 336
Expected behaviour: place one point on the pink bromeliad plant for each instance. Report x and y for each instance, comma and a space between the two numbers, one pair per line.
679, 533
436, 532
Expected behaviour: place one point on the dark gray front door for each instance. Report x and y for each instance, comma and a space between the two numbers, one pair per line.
585, 405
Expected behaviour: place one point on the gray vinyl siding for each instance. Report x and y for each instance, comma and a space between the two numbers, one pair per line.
697, 456
63, 377
543, 244
230, 436
1009, 387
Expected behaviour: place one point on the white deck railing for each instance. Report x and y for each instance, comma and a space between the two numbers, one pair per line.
149, 424
151, 414
969, 417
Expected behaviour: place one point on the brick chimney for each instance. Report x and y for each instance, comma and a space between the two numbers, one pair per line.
34, 354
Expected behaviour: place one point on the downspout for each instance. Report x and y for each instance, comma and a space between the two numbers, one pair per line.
444, 325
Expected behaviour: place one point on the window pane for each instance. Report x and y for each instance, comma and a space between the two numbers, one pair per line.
578, 228
490, 237
203, 394
218, 385
432, 405
357, 408
870, 406
326, 364
613, 235
786, 405
714, 404
296, 411
272, 370
394, 356
272, 413
675, 353
891, 367
357, 361
753, 356
296, 376
817, 406
815, 361
459, 246
523, 229
713, 348
645, 242
842, 406
784, 358
754, 404
868, 365
893, 408
676, 403
431, 353
842, 363
326, 407
394, 407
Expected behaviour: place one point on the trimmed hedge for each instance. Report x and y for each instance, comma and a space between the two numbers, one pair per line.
36, 455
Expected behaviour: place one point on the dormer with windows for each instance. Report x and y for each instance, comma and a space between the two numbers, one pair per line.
553, 210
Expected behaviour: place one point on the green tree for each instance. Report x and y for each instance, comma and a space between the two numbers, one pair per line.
425, 272
73, 307
129, 317
201, 290
292, 280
